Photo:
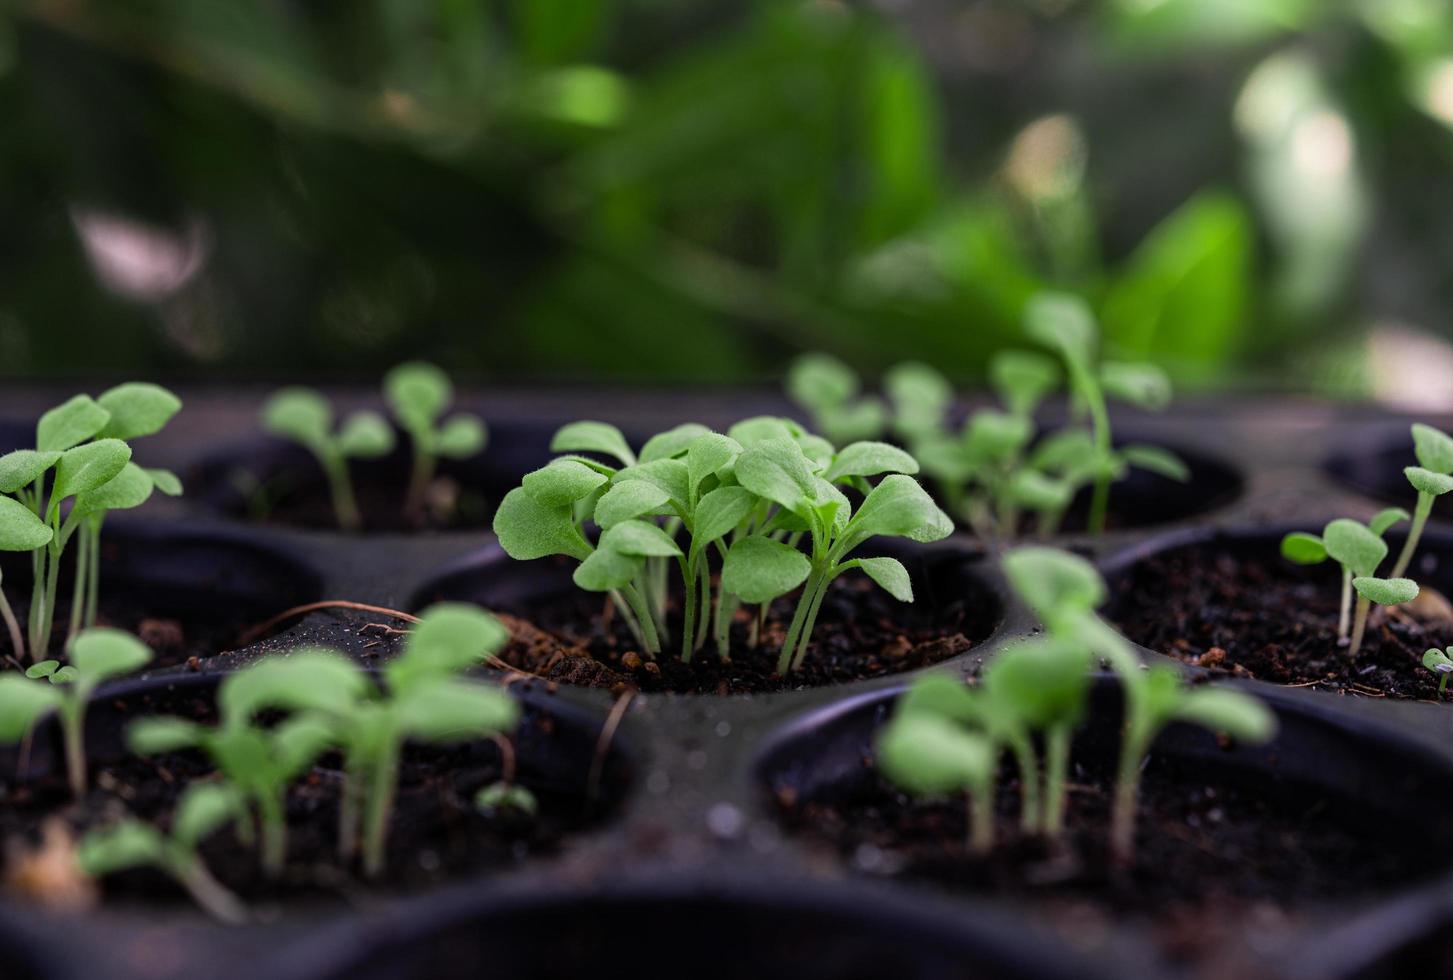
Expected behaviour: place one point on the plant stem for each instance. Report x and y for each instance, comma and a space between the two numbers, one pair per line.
419, 478
380, 807
78, 593
628, 617
1127, 791
704, 605
1056, 769
1094, 399
1359, 625
274, 834
726, 610
690, 595
345, 505
810, 623
1415, 531
981, 820
72, 715
349, 807
208, 892
1029, 807
17, 639
649, 638
1345, 615
93, 589
804, 601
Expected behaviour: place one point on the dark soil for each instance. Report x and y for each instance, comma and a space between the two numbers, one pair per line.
1257, 615
174, 637
436, 834
294, 502
1214, 855
861, 632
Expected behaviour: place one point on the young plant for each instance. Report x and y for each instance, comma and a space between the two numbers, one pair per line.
305, 417
1064, 323
1432, 478
1358, 549
1064, 590
201, 811
1440, 662
920, 398
258, 761
828, 390
96, 656
418, 393
926, 754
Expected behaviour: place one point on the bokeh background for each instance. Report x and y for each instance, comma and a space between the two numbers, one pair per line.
1255, 193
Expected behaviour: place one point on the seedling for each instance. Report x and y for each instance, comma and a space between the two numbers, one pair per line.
201, 812
1064, 323
920, 397
928, 755
419, 393
1358, 549
1440, 662
304, 416
1432, 478
96, 656
95, 477
828, 390
261, 762
1064, 590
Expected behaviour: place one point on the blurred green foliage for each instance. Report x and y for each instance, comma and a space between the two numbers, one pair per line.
692, 189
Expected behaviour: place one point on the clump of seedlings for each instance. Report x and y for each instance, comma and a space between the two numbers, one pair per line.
1431, 478
767, 498
946, 737
419, 394
79, 472
1440, 662
96, 656
1359, 549
305, 416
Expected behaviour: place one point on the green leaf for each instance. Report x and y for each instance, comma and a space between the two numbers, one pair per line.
528, 529
300, 414
88, 466
1303, 548
418, 393
452, 636
1438, 661
593, 437
1063, 322
23, 467
708, 455
639, 539
759, 569
154, 736
672, 442
366, 435
1044, 679
1067, 452
449, 709
719, 512
1023, 379
890, 574
1033, 490
1434, 448
1223, 710
129, 844
297, 743
1154, 459
70, 424
1427, 481
1386, 518
921, 397
1052, 581
23, 703
130, 488
821, 381
42, 670
869, 459
898, 507
562, 482
1386, 591
1142, 385
668, 474
20, 529
928, 756
304, 680
607, 569
862, 419
764, 428
101, 653
994, 436
506, 796
941, 696
777, 470
166, 481
202, 810
461, 437
630, 500
1354, 545
137, 409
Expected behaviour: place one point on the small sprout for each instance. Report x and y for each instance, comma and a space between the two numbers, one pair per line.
419, 393
305, 417
201, 812
1440, 662
828, 390
928, 755
97, 655
503, 797
1432, 478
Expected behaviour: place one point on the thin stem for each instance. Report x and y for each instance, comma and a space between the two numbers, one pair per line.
1359, 625
810, 623
1345, 615
1094, 399
1029, 806
690, 596
380, 808
274, 834
1415, 531
645, 586
784, 660
350, 807
1127, 792
209, 893
1056, 769
726, 609
650, 640
981, 819
628, 617
72, 716
17, 638
78, 593
93, 589
704, 604
419, 478
340, 487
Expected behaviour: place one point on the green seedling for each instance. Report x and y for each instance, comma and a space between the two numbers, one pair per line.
259, 761
20, 530
829, 391
1440, 662
203, 809
928, 755
305, 417
1064, 323
1064, 590
94, 477
920, 398
419, 393
505, 797
1359, 549
96, 656
1432, 478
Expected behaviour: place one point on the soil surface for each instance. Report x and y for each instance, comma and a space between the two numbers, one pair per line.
294, 502
861, 632
436, 833
1244, 612
1215, 857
